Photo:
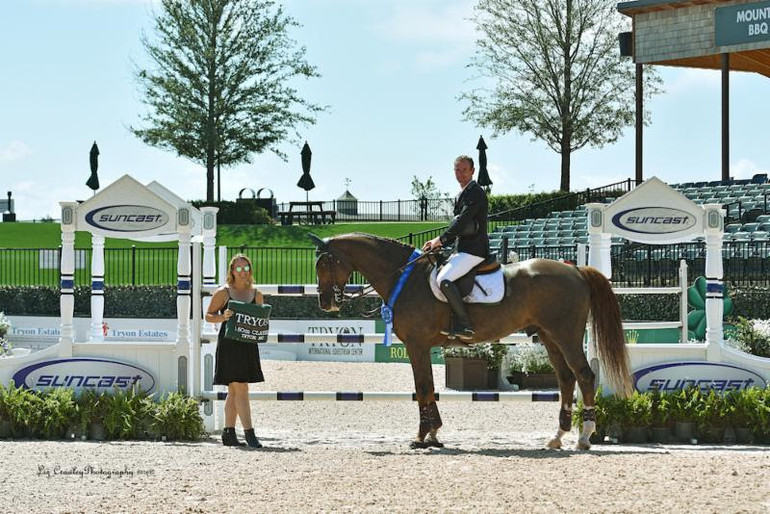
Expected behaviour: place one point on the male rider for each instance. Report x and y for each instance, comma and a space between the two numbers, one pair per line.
469, 228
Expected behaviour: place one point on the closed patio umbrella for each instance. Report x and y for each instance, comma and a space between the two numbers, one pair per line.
484, 180
306, 181
93, 180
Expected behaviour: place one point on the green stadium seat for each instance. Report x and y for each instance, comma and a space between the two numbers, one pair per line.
765, 226
741, 236
750, 227
760, 235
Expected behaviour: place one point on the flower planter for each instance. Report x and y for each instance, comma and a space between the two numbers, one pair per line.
469, 374
635, 435
684, 431
6, 429
661, 435
534, 380
713, 434
743, 435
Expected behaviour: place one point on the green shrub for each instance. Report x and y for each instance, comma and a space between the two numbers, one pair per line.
753, 335
237, 213
686, 404
20, 407
177, 417
128, 414
55, 412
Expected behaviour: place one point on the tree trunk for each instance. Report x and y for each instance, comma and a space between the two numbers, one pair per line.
210, 177
565, 163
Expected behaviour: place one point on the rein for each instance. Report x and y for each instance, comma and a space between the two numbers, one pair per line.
340, 297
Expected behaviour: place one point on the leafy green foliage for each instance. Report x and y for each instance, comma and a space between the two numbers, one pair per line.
754, 336
56, 412
530, 358
238, 213
177, 417
222, 84
125, 412
493, 353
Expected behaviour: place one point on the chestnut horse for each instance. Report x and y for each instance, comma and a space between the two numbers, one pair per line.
542, 296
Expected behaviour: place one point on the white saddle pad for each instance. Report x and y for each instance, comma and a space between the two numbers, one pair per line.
492, 284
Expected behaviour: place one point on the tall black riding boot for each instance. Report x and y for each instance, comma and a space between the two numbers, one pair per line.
461, 328
251, 439
229, 438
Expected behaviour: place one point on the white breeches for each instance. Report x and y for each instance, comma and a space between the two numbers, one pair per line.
458, 265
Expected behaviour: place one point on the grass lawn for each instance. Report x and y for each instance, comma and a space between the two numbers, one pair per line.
281, 255
48, 235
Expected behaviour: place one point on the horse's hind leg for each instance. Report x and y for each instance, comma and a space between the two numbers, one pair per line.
572, 352
430, 419
566, 381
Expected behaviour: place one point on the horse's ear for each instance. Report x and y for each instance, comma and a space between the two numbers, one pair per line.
317, 241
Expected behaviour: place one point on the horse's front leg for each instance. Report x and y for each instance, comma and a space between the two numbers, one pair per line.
430, 419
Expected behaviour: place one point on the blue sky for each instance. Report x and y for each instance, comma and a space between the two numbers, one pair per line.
391, 73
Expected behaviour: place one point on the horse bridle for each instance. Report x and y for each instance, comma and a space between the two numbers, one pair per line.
340, 297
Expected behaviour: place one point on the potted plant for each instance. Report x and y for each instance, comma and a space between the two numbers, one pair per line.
91, 410
56, 411
123, 413
473, 367
712, 416
177, 417
685, 404
660, 417
531, 368
20, 409
743, 412
637, 416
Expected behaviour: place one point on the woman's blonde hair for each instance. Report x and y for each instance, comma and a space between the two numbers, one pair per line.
231, 275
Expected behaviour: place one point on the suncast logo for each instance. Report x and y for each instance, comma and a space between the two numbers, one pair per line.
654, 220
84, 373
703, 375
127, 218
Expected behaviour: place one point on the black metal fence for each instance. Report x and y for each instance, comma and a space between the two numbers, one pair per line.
430, 209
633, 265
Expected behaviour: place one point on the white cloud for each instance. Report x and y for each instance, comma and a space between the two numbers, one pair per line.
689, 81
14, 151
440, 32
432, 23
743, 168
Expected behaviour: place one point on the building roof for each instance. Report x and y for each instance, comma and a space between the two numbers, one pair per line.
347, 196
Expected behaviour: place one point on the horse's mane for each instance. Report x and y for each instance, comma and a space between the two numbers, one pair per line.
374, 238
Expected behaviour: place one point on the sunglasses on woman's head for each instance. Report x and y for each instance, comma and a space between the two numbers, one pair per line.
242, 268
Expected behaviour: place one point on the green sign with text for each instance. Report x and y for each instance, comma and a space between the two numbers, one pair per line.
741, 24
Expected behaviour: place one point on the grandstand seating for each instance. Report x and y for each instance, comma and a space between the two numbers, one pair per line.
744, 200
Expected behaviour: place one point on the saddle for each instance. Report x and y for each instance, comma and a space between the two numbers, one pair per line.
485, 277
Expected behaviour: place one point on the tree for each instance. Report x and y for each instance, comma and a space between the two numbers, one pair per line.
430, 198
220, 88
557, 73
427, 189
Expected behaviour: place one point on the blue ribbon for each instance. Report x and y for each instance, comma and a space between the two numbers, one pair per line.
386, 311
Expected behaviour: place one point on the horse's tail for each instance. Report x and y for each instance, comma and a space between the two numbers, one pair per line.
608, 330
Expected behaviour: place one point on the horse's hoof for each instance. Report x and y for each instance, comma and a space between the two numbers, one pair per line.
433, 443
583, 445
418, 445
554, 444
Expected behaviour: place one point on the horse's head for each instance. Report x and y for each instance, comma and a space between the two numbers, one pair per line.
333, 273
